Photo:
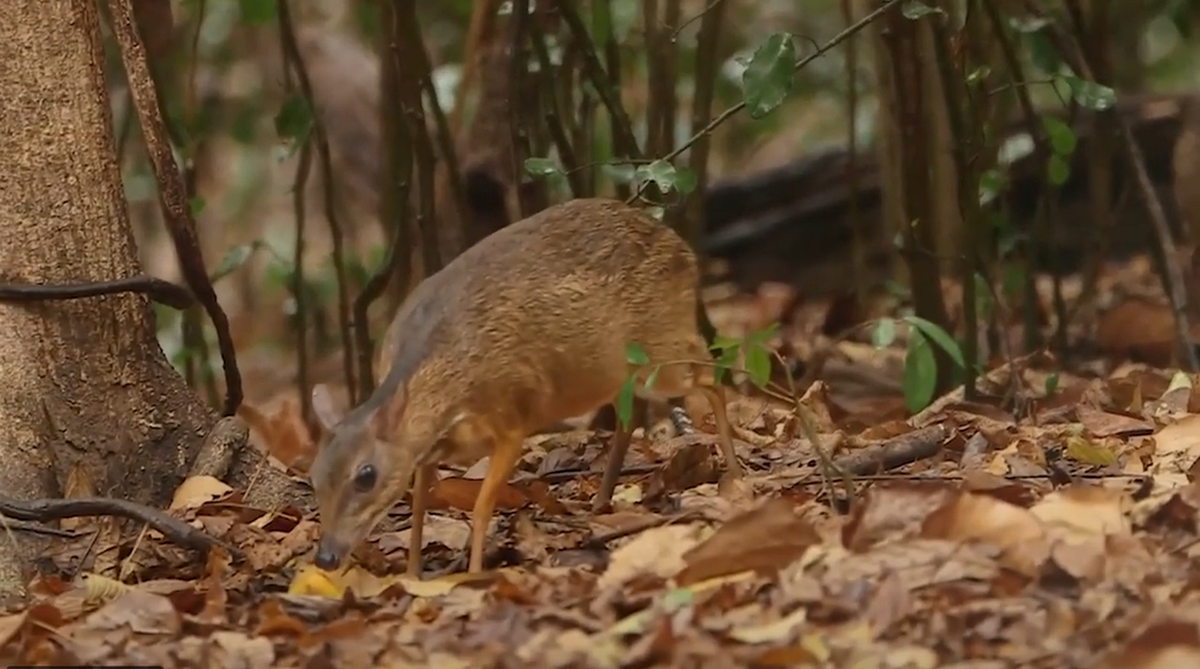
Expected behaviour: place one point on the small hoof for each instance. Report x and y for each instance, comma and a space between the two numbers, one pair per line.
734, 486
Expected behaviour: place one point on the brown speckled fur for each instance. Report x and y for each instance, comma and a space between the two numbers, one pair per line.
527, 327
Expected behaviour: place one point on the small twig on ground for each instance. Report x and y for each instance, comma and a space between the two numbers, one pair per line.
560, 475
599, 540
176, 211
13, 525
896, 452
175, 530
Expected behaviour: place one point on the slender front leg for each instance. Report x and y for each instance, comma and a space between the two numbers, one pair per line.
425, 476
504, 459
716, 397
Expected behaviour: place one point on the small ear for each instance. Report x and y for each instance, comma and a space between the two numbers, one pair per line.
322, 403
387, 416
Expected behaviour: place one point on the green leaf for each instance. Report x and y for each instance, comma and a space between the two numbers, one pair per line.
195, 205
234, 258
938, 336
758, 366
1028, 24
1013, 281
1062, 138
294, 119
897, 290
1059, 169
621, 173
656, 212
884, 333
915, 10
1179, 379
1042, 53
685, 180
663, 174
651, 377
979, 74
724, 343
762, 336
1051, 383
724, 362
257, 12
983, 297
636, 355
1082, 449
1090, 94
541, 167
769, 77
989, 185
624, 404
920, 373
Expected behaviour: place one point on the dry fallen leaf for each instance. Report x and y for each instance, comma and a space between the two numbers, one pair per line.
196, 490
10, 624
283, 433
1059, 526
1108, 424
1177, 446
1086, 509
767, 538
1016, 531
657, 552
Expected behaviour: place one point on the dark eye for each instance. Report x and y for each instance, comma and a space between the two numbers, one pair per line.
364, 478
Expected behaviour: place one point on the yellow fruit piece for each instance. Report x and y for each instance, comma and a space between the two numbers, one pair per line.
310, 580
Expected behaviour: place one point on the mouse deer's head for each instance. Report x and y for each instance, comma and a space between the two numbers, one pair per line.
364, 465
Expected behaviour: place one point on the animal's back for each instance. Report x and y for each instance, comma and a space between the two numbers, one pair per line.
587, 262
542, 310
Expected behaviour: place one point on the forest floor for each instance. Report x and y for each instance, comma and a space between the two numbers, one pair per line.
1051, 523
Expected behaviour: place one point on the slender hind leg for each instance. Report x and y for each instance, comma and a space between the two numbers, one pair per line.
675, 381
616, 457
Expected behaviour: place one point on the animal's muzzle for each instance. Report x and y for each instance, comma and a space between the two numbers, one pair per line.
329, 553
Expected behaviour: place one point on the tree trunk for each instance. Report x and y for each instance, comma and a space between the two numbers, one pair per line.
86, 394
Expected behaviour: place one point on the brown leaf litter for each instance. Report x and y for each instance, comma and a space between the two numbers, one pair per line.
1065, 535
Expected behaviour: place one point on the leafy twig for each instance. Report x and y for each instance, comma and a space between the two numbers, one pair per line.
702, 99
554, 124
398, 156
172, 196
517, 67
292, 54
704, 12
412, 81
623, 137
725, 115
442, 126
1173, 282
299, 292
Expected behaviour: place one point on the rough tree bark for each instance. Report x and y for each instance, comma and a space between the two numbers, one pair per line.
88, 402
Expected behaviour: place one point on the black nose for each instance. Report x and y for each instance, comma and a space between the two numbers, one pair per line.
328, 558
